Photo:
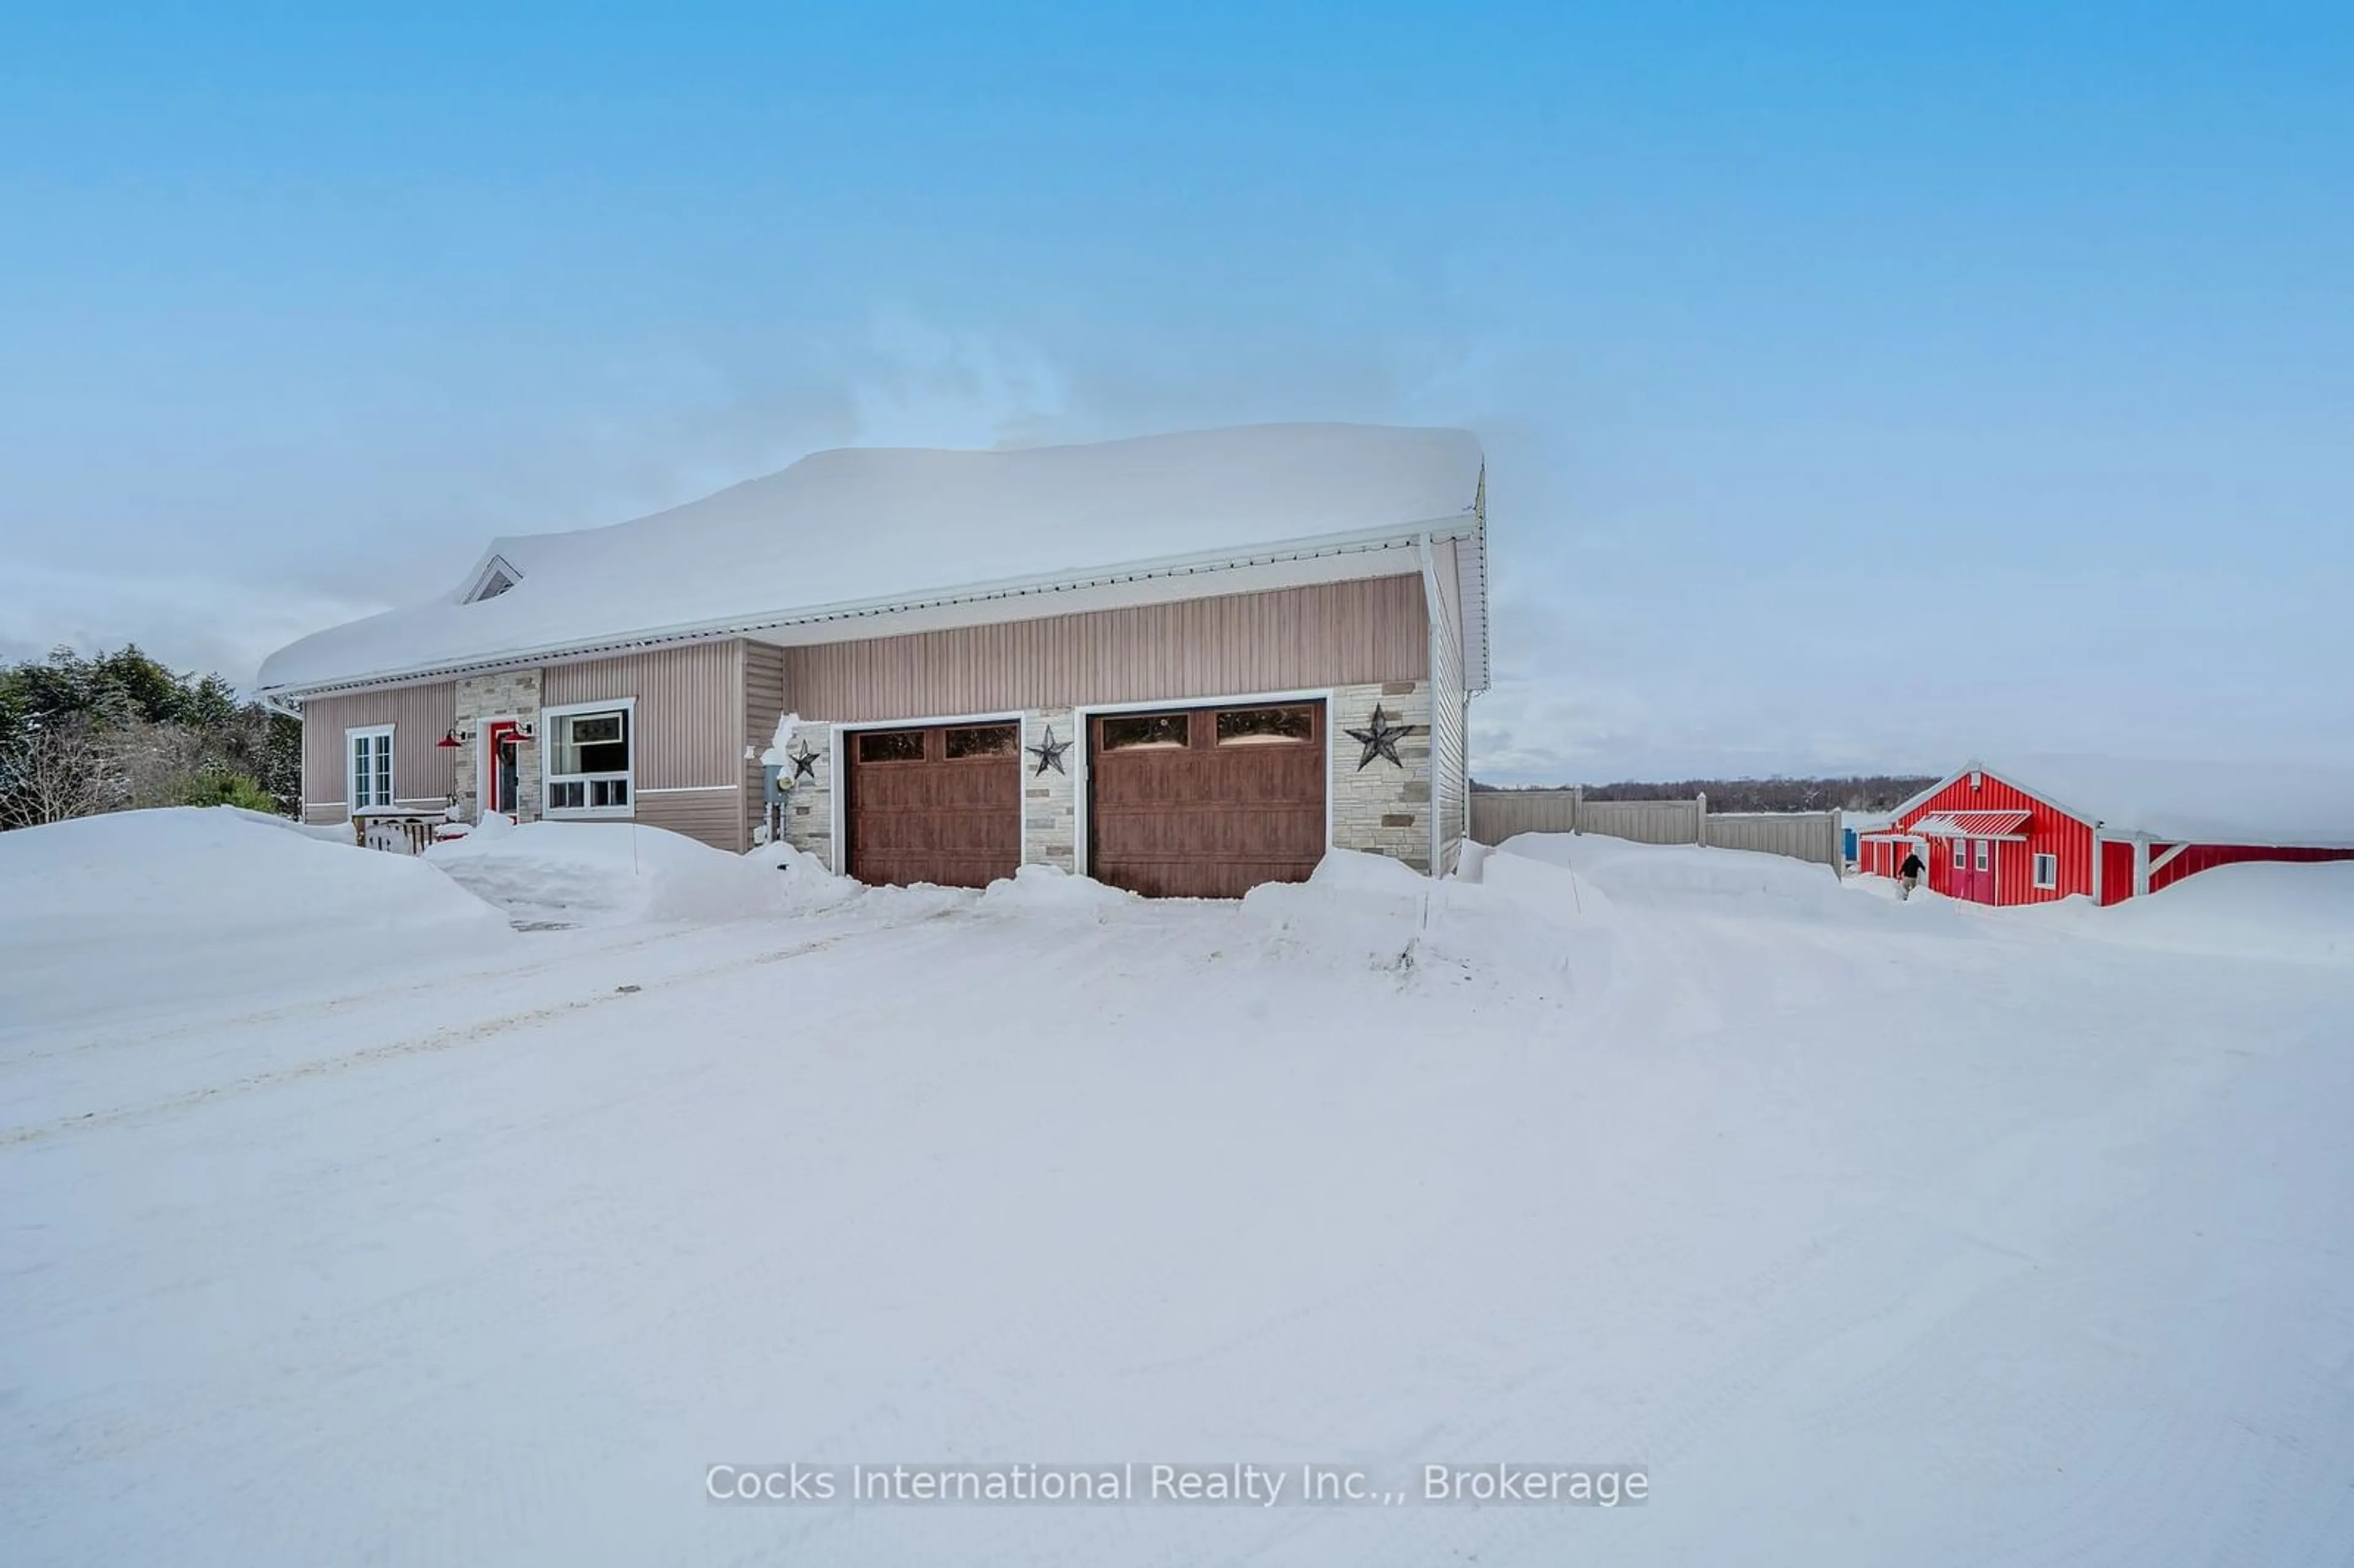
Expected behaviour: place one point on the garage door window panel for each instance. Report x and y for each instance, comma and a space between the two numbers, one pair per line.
982, 742
1266, 726
891, 746
1139, 732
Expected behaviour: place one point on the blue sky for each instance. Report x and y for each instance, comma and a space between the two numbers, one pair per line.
1862, 388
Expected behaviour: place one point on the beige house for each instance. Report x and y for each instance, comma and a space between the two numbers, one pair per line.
1184, 663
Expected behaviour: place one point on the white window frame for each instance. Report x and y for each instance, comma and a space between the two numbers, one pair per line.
550, 733
2049, 883
1961, 854
352, 738
1984, 854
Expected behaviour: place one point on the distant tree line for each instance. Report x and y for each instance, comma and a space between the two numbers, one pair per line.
120, 731
1856, 792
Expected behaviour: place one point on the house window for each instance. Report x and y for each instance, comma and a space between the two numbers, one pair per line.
368, 767
1266, 726
1983, 847
591, 758
1132, 732
1961, 854
2047, 871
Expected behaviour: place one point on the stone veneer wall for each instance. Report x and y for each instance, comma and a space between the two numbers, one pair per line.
1049, 798
809, 803
1384, 806
509, 692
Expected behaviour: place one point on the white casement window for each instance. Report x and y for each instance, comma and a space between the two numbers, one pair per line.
1961, 854
2047, 871
1983, 860
368, 768
590, 752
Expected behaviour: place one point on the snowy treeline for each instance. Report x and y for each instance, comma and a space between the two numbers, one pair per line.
1858, 792
79, 735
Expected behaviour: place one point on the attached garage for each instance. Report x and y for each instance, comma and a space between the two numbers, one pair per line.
1207, 802
940, 804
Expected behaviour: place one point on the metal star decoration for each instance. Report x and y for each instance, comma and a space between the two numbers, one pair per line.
803, 759
1049, 752
1380, 739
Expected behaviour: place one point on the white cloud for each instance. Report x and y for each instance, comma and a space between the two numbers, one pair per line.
189, 621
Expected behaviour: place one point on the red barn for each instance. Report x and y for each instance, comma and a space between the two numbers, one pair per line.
2107, 828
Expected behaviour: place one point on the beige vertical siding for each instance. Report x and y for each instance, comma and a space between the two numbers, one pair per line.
689, 716
714, 816
764, 701
422, 772
1282, 639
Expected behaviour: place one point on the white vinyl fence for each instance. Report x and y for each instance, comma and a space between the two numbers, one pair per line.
1498, 814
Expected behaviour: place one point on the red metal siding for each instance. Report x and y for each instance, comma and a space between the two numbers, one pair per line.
2049, 831
2116, 871
2204, 857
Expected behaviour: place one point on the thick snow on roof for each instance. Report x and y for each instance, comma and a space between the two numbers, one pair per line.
2196, 802
871, 529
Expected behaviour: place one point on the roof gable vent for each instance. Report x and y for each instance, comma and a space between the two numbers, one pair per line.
495, 577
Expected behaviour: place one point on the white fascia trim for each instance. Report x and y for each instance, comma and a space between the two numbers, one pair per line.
1408, 538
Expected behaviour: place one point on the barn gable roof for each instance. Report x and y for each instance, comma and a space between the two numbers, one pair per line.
841, 538
2280, 805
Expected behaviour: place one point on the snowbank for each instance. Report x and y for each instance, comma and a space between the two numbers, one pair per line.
1522, 919
1050, 890
152, 909
609, 874
2304, 914
1689, 878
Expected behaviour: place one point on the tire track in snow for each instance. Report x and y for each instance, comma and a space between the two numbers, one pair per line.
445, 1038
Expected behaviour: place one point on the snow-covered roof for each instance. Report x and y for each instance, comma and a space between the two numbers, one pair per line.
866, 532
2185, 802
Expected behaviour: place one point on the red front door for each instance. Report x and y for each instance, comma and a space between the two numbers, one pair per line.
499, 767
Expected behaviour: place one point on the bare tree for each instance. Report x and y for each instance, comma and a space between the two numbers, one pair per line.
59, 771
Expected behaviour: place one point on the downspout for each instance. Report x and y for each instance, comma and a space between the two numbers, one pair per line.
1430, 655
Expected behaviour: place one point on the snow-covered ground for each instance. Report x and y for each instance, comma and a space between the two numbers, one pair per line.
344, 1223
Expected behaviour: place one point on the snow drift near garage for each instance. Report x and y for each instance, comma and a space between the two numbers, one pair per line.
152, 910
558, 874
897, 524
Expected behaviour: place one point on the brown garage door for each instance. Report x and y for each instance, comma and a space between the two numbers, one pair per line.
934, 805
1207, 802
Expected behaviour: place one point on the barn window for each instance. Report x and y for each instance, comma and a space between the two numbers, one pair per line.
1134, 732
1961, 854
1266, 726
1984, 848
981, 740
891, 746
2047, 871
